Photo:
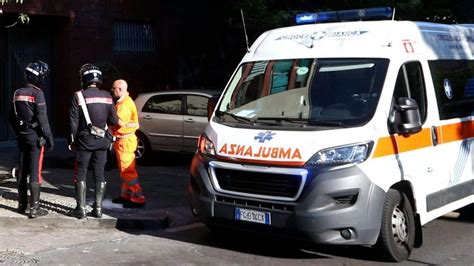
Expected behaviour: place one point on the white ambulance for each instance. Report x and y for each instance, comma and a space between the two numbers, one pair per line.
347, 133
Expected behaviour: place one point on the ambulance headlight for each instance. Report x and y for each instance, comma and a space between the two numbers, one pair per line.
205, 146
350, 154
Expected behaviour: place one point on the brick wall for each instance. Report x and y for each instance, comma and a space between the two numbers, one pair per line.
82, 34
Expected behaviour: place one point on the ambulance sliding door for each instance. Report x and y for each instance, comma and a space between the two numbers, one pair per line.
453, 81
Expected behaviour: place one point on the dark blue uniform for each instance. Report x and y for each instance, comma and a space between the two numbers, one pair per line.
102, 112
30, 122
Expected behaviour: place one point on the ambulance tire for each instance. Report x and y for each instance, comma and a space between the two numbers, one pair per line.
467, 212
397, 232
143, 148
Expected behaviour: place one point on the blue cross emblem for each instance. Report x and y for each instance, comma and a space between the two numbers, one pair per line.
262, 136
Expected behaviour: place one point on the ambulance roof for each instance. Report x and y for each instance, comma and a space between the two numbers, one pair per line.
374, 39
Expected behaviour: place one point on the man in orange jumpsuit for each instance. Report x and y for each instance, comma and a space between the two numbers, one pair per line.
131, 193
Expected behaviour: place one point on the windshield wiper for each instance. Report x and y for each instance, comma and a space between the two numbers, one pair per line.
235, 117
303, 121
331, 123
281, 119
276, 121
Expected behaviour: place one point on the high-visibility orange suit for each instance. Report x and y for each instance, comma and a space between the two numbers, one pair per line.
125, 147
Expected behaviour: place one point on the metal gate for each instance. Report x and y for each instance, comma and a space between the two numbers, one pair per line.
20, 45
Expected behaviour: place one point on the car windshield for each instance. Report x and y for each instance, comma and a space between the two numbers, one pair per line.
296, 92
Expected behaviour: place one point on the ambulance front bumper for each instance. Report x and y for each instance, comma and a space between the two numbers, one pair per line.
334, 206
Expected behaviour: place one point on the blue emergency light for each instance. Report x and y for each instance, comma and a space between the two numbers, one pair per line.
345, 15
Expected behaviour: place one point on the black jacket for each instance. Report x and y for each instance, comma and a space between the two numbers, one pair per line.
101, 112
31, 112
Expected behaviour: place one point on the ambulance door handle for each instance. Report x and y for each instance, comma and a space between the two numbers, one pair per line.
434, 136
189, 120
148, 117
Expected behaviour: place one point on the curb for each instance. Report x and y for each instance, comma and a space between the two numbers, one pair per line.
54, 220
145, 224
59, 206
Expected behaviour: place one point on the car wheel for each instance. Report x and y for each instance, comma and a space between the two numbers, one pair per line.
143, 147
397, 233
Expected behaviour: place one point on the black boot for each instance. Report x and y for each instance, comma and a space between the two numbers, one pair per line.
35, 210
99, 196
80, 210
22, 195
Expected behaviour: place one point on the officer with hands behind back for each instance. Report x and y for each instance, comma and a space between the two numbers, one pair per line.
91, 110
29, 120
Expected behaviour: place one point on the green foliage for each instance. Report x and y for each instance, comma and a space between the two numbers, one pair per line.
24, 18
8, 1
262, 15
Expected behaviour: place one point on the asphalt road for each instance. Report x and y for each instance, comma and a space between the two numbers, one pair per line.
447, 241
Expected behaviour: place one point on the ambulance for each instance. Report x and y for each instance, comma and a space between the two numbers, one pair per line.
344, 133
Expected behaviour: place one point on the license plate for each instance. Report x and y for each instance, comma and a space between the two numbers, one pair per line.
252, 216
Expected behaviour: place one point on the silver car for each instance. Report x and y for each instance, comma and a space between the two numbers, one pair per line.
171, 120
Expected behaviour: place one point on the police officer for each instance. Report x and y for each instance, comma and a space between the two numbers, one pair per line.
91, 139
29, 120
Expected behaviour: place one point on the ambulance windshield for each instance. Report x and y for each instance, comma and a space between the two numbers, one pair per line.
320, 92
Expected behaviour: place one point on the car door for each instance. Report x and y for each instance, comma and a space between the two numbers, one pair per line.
195, 120
161, 120
419, 154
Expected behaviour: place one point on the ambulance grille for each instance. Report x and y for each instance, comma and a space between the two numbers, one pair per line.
256, 204
259, 183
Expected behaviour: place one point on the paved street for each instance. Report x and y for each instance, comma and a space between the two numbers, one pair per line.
448, 241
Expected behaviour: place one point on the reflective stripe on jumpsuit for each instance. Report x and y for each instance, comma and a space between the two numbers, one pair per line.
125, 151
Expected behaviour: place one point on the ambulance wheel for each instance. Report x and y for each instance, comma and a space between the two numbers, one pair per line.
397, 232
466, 212
143, 147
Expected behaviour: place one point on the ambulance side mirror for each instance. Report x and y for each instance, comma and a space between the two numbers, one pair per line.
211, 105
410, 118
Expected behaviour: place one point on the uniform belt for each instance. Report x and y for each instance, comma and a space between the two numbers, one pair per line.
125, 136
82, 133
30, 126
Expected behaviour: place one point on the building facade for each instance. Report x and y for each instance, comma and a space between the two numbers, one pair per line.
123, 37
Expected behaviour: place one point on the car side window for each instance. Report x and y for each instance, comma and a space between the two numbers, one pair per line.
196, 105
453, 81
164, 104
410, 84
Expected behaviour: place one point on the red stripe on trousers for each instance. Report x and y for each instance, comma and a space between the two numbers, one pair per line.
40, 165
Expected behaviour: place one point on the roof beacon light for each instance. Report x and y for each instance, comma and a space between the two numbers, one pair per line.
345, 15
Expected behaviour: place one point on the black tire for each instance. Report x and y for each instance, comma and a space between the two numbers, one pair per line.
143, 148
397, 232
467, 212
